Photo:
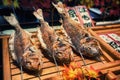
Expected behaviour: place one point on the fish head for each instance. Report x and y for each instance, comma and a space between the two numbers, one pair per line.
63, 53
31, 60
90, 50
90, 47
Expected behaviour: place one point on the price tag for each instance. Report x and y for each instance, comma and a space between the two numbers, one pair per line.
107, 38
84, 16
115, 37
115, 45
81, 15
72, 13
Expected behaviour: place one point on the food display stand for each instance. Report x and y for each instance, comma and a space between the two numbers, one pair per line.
109, 67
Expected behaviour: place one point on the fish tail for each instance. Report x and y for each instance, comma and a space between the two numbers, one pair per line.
38, 14
60, 7
11, 20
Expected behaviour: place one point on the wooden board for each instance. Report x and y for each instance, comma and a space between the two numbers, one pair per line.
50, 70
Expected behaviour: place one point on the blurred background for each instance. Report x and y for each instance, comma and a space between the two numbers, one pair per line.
100, 10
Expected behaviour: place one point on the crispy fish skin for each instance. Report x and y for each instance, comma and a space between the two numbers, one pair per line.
77, 33
56, 47
88, 49
25, 53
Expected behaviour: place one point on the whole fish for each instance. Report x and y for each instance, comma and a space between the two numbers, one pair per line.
56, 47
22, 47
84, 43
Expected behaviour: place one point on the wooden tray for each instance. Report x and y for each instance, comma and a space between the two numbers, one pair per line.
95, 31
50, 71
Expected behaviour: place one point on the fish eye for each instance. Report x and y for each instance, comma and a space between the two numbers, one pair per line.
59, 54
61, 44
28, 64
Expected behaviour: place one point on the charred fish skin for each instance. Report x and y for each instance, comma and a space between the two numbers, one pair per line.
55, 46
90, 45
87, 48
77, 34
25, 53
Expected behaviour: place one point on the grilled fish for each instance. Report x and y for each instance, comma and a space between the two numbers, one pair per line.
84, 43
22, 47
56, 47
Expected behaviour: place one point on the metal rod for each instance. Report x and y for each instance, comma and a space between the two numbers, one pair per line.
34, 8
39, 77
81, 56
57, 68
52, 16
14, 10
21, 71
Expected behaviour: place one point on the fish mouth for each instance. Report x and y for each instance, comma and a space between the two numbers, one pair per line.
31, 61
90, 51
64, 54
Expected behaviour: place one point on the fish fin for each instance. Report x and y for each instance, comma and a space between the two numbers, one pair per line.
30, 36
11, 19
39, 35
59, 6
68, 38
11, 47
40, 13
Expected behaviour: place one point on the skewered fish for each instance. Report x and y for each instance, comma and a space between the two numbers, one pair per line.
56, 47
22, 47
84, 43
